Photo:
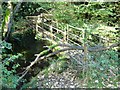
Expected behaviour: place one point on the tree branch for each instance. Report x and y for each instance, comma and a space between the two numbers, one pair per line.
68, 47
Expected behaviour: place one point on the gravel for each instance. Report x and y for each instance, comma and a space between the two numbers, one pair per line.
66, 79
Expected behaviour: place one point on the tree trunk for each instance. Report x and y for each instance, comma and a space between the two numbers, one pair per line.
10, 21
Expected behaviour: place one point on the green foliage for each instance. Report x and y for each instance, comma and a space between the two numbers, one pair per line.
78, 14
99, 17
31, 84
9, 79
5, 21
103, 71
102, 66
101, 34
31, 8
4, 46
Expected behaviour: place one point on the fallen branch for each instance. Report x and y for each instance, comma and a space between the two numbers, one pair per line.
68, 47
94, 49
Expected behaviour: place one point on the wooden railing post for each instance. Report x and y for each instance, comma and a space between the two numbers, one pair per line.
85, 44
67, 33
57, 25
37, 23
42, 20
64, 36
51, 31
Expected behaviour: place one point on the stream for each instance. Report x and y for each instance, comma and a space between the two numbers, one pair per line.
26, 44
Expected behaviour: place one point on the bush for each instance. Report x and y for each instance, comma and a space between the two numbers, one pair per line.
8, 67
103, 69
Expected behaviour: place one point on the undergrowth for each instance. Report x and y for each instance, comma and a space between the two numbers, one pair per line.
102, 70
8, 66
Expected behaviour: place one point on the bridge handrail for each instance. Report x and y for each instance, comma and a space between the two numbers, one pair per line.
73, 42
54, 28
50, 33
80, 29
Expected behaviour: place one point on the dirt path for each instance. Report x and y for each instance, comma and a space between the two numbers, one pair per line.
66, 79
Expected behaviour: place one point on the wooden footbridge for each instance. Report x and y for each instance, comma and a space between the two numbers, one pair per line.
72, 40
61, 33
68, 34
